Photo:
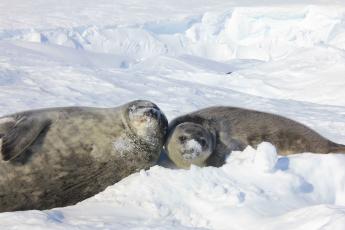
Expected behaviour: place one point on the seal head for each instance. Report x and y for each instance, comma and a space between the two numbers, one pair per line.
146, 121
189, 143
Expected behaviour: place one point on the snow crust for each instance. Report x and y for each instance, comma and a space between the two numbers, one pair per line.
239, 195
276, 56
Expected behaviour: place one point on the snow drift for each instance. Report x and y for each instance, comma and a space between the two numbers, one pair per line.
242, 194
284, 58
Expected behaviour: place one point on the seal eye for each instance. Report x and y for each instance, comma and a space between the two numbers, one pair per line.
182, 138
202, 142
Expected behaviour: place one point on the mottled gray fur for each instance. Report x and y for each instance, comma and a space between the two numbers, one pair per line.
235, 128
60, 156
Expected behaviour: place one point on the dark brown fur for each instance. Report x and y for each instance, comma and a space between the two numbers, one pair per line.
235, 128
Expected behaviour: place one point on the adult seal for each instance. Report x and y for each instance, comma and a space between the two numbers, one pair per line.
60, 156
207, 136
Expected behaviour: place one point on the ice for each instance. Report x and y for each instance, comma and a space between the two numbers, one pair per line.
283, 57
266, 156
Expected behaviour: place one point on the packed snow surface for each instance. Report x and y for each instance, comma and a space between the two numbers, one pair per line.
283, 57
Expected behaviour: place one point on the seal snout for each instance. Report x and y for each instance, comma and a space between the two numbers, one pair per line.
153, 113
192, 149
149, 113
145, 108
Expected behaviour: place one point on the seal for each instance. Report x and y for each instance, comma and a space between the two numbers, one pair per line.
59, 156
207, 136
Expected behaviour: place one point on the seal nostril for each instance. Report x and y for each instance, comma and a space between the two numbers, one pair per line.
152, 113
182, 138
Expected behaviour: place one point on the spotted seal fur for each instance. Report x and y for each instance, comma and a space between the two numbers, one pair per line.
59, 156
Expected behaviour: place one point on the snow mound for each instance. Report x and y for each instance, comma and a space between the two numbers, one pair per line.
240, 193
264, 158
274, 43
283, 57
262, 33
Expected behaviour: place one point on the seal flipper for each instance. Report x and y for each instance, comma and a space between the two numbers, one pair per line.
336, 148
18, 134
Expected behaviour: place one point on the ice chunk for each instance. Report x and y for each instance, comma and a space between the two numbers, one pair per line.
265, 157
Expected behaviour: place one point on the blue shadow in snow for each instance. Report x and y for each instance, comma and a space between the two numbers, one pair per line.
55, 216
306, 187
282, 164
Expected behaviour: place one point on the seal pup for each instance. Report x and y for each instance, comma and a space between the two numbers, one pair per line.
59, 156
207, 136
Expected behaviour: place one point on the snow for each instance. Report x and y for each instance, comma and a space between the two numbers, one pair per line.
283, 57
236, 196
263, 158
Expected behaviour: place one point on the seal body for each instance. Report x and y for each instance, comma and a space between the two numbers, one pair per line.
60, 156
207, 136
